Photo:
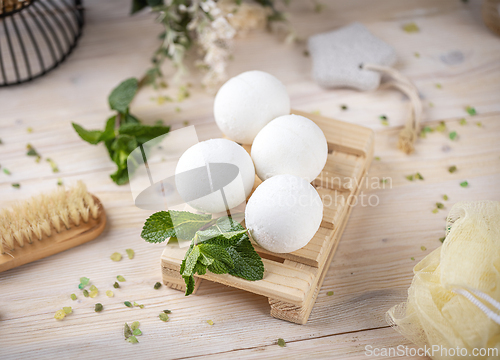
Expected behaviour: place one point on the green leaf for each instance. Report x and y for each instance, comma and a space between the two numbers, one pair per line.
130, 119
181, 224
143, 133
125, 144
138, 5
109, 130
222, 248
247, 263
120, 176
121, 96
226, 226
206, 260
218, 267
90, 136
108, 144
199, 268
191, 261
216, 252
225, 240
189, 280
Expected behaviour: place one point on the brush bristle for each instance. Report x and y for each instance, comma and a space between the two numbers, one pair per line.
43, 214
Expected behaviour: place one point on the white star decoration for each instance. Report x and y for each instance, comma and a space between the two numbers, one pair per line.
337, 56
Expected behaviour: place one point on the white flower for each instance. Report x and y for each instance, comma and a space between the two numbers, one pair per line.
245, 17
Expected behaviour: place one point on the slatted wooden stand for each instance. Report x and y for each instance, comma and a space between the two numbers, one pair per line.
292, 281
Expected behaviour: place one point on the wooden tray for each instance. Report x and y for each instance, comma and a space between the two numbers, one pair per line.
292, 281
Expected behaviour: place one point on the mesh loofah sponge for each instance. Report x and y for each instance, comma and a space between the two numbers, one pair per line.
337, 56
441, 309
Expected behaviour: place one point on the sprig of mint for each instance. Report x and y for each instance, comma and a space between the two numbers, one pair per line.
221, 246
123, 132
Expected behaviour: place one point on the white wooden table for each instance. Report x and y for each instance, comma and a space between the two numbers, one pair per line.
372, 268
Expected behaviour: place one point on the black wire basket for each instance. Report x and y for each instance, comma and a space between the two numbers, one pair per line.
36, 36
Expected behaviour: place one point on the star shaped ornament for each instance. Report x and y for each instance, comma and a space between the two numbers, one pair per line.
337, 56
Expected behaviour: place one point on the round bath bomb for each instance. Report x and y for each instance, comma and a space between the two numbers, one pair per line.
247, 102
290, 144
284, 213
214, 175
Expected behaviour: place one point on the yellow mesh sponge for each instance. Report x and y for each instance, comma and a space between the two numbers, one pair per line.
435, 315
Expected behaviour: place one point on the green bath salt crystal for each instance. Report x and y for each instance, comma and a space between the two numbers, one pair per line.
116, 256
163, 317
130, 253
73, 297
127, 331
132, 339
120, 278
84, 281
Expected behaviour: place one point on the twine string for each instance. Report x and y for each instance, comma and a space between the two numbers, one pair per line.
408, 135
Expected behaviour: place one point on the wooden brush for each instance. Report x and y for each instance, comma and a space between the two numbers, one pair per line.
48, 224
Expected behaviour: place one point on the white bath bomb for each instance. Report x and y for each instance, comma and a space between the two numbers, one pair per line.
214, 175
284, 213
247, 102
290, 144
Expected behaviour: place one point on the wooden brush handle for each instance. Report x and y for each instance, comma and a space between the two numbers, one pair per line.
57, 242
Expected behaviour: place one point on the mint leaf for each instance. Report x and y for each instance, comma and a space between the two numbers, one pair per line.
158, 227
109, 130
224, 247
191, 261
143, 133
130, 119
226, 226
120, 176
90, 136
121, 96
200, 269
216, 252
122, 146
229, 223
189, 280
206, 260
225, 239
181, 224
247, 263
218, 267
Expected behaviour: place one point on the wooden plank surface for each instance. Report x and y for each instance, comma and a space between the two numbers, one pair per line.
372, 267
